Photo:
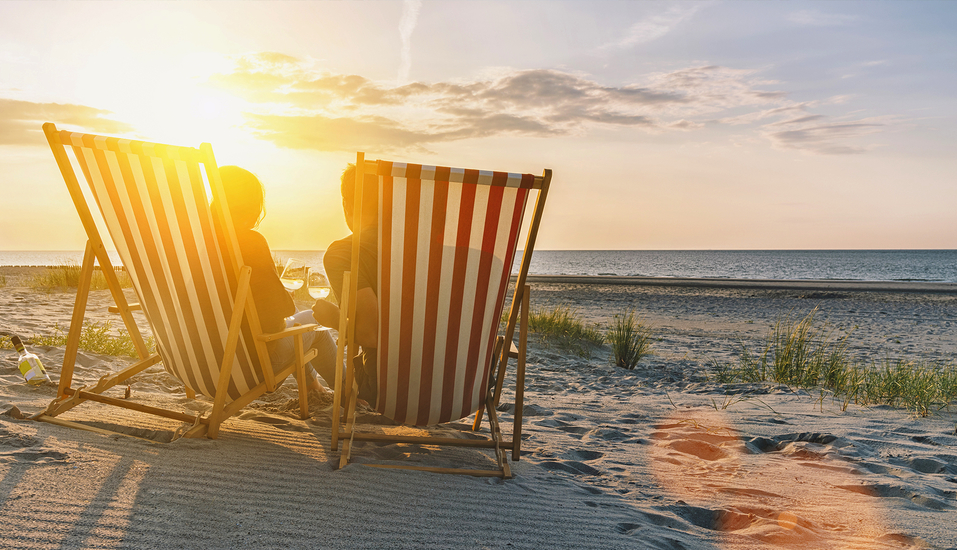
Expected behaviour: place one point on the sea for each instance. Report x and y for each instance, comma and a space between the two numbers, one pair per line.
857, 265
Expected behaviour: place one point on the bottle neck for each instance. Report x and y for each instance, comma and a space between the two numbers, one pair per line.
18, 344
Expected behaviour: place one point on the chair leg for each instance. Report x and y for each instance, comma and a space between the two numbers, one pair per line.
301, 379
350, 425
340, 361
499, 342
520, 380
76, 322
496, 433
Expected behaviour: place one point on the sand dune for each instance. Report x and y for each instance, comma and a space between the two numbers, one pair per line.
658, 457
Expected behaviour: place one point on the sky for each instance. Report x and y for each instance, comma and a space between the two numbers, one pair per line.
667, 125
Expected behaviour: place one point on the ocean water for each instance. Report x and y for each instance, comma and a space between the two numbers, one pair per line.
860, 265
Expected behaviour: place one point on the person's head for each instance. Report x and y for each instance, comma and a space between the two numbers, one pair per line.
369, 197
245, 196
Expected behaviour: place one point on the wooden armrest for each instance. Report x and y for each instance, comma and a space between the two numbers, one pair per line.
291, 331
132, 307
513, 351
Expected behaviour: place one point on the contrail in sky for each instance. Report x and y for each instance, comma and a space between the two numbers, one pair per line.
410, 14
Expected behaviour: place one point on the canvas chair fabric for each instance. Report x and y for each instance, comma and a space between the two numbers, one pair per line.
447, 239
154, 204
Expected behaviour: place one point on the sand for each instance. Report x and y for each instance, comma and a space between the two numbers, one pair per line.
657, 457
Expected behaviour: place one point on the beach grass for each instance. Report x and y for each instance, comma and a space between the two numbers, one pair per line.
3, 281
563, 327
804, 354
96, 337
67, 275
630, 339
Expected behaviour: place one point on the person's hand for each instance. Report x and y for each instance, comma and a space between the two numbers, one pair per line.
326, 313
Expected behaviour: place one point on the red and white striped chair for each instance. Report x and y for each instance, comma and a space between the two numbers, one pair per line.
190, 278
447, 239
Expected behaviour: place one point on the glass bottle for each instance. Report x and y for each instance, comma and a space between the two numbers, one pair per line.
30, 366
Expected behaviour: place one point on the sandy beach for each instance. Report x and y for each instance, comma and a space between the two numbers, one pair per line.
662, 456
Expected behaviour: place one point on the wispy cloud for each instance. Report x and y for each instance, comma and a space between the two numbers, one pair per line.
653, 27
295, 106
20, 121
410, 16
820, 19
812, 133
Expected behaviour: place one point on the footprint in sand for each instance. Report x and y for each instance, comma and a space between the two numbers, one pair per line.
584, 455
896, 491
15, 439
33, 456
570, 466
563, 426
527, 410
605, 434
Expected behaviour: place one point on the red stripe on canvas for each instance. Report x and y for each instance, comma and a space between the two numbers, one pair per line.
460, 264
490, 233
436, 248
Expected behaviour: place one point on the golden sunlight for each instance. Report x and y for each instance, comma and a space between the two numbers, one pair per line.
794, 492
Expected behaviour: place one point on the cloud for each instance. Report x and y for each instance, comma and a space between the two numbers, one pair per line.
20, 121
808, 134
295, 106
410, 15
820, 19
653, 27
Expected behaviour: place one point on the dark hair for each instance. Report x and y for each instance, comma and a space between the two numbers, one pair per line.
347, 187
245, 196
369, 199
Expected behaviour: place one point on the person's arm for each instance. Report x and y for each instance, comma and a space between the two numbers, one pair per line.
327, 314
273, 302
337, 260
367, 318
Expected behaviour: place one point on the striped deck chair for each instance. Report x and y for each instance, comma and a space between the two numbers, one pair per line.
447, 239
189, 277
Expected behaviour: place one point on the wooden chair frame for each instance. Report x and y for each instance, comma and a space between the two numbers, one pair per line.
243, 305
345, 429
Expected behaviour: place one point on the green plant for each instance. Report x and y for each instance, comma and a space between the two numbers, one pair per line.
68, 276
3, 281
562, 326
96, 337
805, 355
630, 339
796, 353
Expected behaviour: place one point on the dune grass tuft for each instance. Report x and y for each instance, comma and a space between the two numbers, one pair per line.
630, 339
805, 355
563, 327
68, 276
3, 281
96, 338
